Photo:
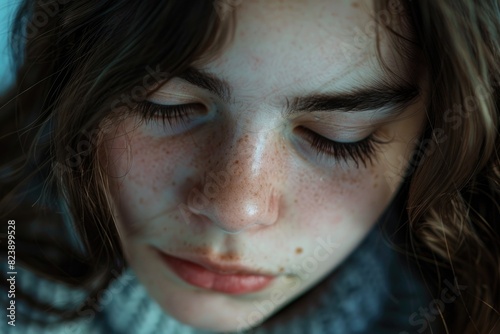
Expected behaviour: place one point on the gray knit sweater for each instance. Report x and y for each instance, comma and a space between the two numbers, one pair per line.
372, 291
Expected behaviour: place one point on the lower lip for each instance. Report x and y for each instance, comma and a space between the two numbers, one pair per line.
196, 275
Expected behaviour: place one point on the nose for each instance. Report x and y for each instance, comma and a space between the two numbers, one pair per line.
242, 190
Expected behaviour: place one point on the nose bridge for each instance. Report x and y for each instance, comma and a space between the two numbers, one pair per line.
248, 189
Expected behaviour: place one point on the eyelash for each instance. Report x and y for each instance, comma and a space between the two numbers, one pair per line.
360, 151
168, 113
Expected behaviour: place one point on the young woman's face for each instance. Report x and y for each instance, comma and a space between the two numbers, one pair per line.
263, 186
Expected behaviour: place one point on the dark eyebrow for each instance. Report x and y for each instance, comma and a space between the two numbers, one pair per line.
379, 95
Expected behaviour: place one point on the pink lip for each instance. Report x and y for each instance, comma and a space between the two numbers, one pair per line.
209, 275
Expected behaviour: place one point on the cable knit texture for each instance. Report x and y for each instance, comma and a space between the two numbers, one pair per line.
372, 291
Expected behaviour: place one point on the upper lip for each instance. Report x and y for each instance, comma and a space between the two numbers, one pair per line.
218, 268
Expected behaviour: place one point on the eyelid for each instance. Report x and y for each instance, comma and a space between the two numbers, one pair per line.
341, 132
179, 91
170, 120
170, 99
152, 105
328, 151
357, 119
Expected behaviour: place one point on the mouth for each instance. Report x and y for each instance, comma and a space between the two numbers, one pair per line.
206, 274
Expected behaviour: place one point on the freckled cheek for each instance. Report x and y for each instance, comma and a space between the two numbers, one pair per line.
146, 173
346, 197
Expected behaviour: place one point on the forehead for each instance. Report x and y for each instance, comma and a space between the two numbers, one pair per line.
295, 46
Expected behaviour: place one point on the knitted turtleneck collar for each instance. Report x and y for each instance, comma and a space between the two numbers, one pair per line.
371, 292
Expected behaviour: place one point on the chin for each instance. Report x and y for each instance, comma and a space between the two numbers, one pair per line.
206, 310
205, 319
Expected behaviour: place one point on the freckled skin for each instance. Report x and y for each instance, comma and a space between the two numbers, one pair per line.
278, 199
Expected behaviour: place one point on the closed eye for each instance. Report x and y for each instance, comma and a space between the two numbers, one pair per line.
170, 115
360, 151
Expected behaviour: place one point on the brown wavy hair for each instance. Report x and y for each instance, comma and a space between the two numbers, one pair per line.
83, 59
